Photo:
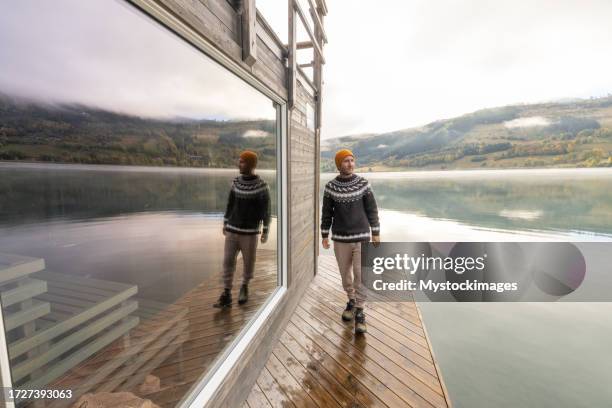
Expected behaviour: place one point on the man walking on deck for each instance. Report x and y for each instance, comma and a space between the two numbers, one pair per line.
248, 206
350, 210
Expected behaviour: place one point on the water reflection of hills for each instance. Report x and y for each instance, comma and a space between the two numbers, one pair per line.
538, 203
38, 193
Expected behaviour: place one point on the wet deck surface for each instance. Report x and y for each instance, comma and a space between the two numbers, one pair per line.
320, 362
211, 330
194, 334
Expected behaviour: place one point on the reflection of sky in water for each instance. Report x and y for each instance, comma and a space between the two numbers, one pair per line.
398, 226
521, 214
515, 354
39, 192
159, 228
164, 254
556, 200
527, 355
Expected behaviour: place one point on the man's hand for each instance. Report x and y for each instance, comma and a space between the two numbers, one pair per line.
264, 238
376, 240
326, 243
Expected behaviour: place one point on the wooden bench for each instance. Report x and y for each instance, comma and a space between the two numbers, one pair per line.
55, 321
81, 333
86, 315
124, 366
17, 292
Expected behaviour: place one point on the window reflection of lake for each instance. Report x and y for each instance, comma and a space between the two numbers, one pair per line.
155, 227
108, 272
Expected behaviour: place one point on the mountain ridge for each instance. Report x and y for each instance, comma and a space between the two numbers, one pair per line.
76, 133
572, 133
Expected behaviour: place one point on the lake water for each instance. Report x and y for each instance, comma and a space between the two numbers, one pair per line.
158, 228
509, 354
151, 234
142, 225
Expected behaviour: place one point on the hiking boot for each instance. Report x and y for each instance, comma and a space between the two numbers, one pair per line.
244, 294
349, 312
225, 300
360, 323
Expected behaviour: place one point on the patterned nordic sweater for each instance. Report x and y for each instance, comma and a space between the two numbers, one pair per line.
248, 206
349, 208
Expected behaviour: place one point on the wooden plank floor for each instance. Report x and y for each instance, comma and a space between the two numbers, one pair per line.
202, 333
319, 362
211, 330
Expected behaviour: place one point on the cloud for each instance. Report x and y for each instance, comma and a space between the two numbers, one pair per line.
255, 133
109, 55
397, 65
402, 64
531, 121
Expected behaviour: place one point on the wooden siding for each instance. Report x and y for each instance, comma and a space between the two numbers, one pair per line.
302, 202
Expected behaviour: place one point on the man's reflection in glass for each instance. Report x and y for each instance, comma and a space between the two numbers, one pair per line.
248, 206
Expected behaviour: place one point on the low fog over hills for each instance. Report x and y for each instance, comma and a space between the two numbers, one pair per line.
568, 133
67, 133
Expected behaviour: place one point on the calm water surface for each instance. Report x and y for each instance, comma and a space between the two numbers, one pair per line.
158, 228
138, 224
515, 354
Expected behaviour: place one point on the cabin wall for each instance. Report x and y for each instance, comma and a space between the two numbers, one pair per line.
218, 22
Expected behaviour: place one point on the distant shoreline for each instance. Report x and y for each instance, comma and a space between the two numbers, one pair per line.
416, 174
122, 167
479, 173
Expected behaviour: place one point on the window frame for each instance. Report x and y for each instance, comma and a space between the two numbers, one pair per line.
206, 387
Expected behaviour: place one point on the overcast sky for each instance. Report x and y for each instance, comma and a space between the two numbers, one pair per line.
393, 64
390, 64
103, 53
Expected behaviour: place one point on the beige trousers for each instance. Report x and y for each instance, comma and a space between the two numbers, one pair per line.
348, 256
234, 243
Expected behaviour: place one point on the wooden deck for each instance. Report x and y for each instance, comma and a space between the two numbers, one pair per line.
319, 362
210, 330
172, 344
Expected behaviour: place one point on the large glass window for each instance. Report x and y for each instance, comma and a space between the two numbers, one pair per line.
127, 203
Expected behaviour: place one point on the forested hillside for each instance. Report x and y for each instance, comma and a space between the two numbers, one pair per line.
576, 133
80, 134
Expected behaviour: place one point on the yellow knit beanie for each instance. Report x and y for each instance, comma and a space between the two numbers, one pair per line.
341, 154
250, 158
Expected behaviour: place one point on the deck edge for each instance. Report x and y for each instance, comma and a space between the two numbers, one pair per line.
433, 357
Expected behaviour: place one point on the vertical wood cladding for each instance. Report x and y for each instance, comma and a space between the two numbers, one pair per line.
302, 179
219, 22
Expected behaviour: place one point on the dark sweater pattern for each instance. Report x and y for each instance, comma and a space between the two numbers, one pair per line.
248, 206
349, 209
